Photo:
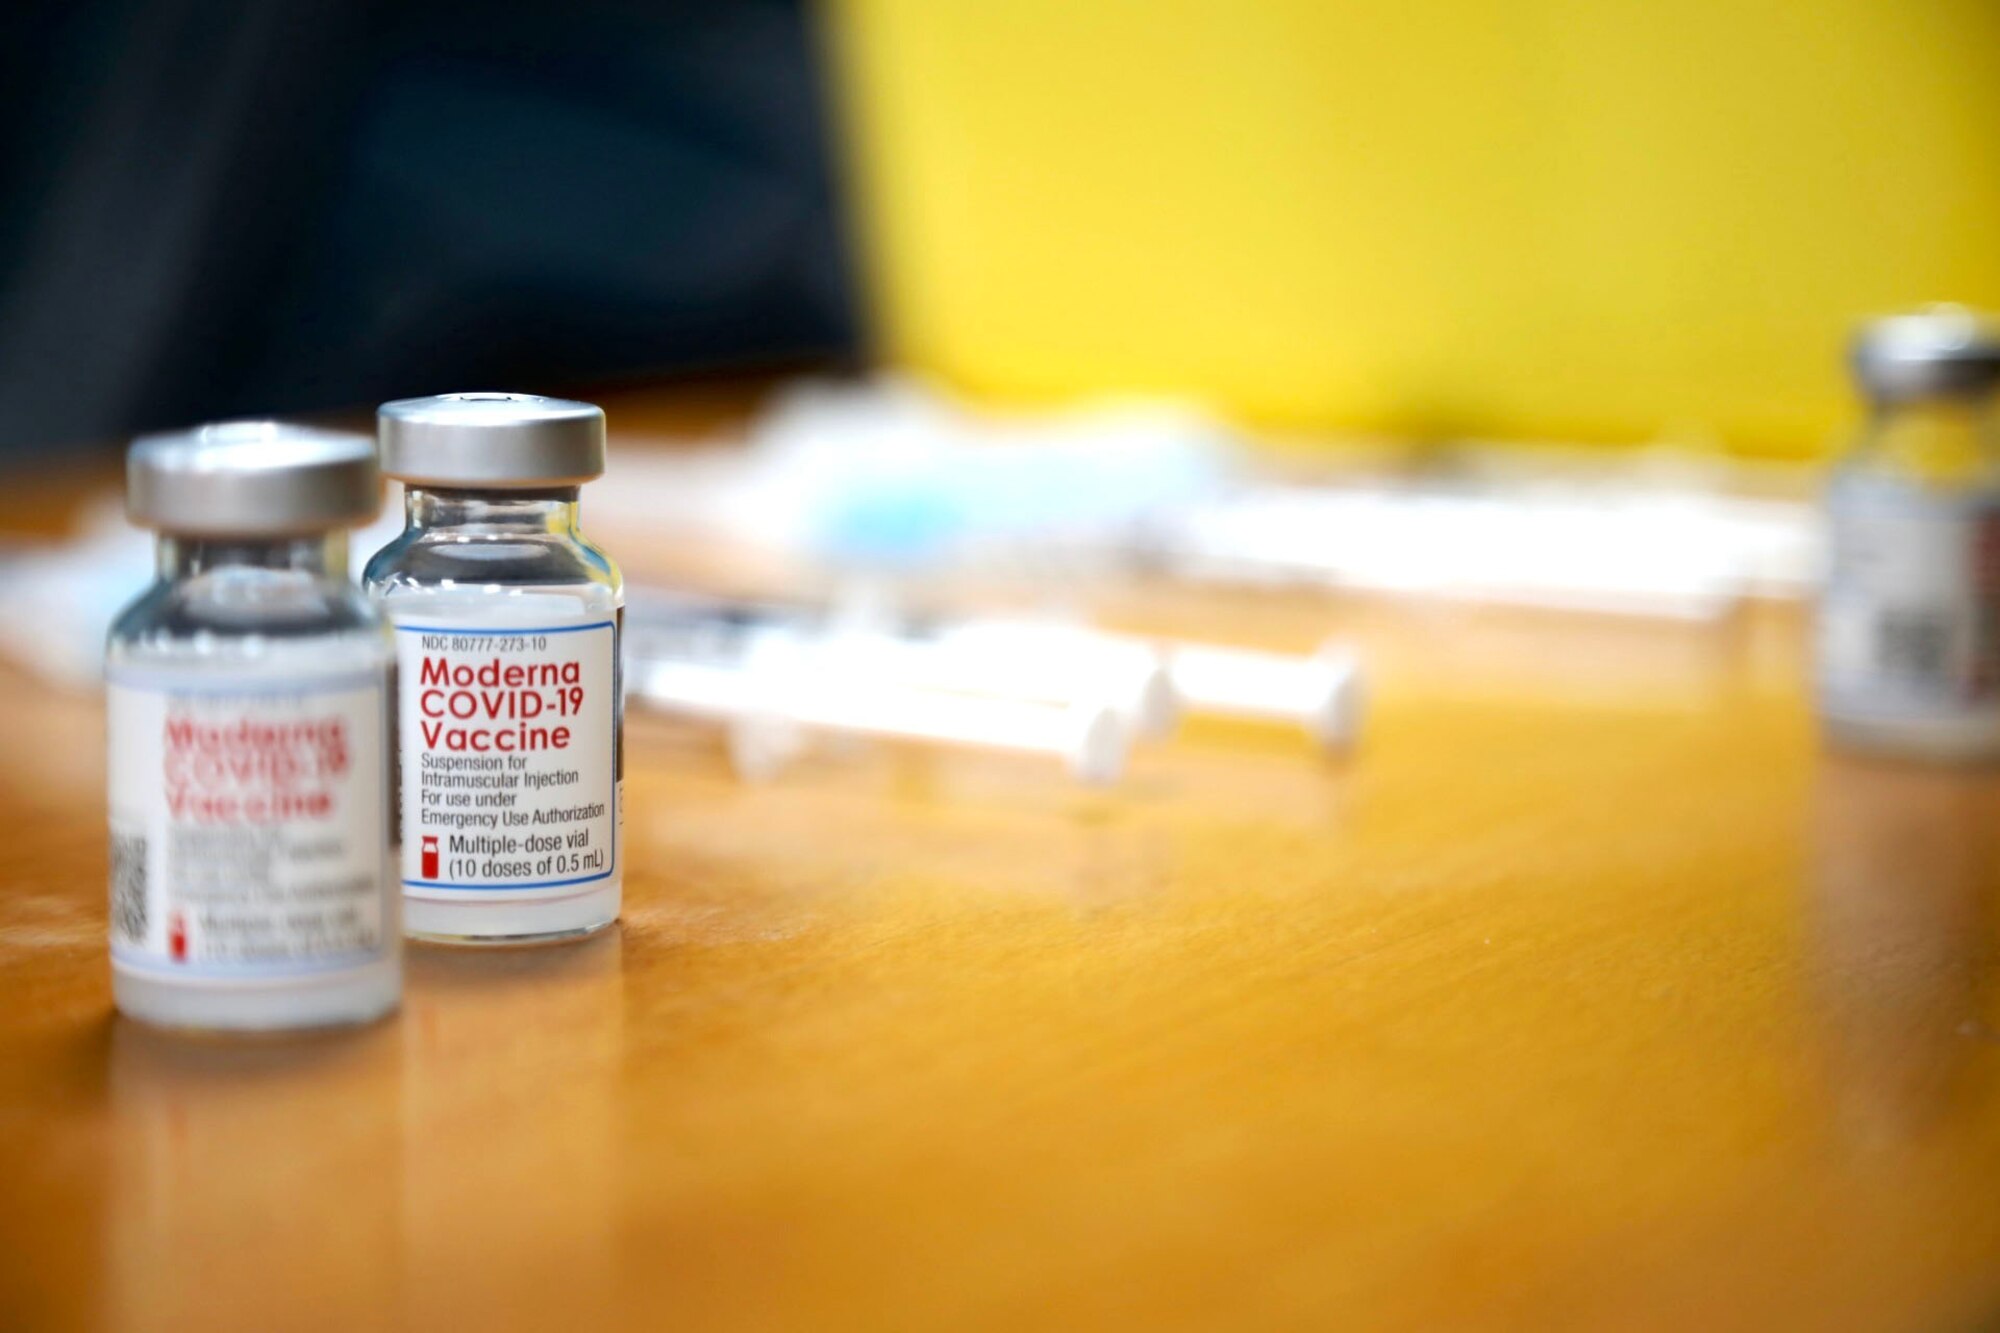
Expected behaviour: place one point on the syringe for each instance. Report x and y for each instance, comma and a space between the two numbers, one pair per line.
1029, 685
775, 700
1128, 676
1320, 692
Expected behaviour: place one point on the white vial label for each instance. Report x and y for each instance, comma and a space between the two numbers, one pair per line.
248, 821
1909, 624
509, 752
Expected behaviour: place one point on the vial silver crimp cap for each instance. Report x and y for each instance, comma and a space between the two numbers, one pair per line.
251, 479
1939, 351
490, 440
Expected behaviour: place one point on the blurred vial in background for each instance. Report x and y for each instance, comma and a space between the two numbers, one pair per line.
247, 720
1909, 624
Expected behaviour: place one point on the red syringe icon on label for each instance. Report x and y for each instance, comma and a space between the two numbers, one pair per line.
430, 850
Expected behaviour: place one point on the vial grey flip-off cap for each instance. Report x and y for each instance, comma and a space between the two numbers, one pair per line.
251, 479
1941, 350
481, 440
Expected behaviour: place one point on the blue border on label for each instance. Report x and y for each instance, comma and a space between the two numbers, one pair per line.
515, 888
195, 682
506, 629
150, 965
608, 871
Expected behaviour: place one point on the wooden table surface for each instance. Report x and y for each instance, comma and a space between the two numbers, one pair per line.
1587, 993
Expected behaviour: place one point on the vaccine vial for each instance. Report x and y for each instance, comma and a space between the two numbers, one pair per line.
1909, 621
506, 619
247, 716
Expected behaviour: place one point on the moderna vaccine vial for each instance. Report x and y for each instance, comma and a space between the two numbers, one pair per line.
248, 727
1909, 621
507, 625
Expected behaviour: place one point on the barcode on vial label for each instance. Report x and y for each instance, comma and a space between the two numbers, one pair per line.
128, 887
1914, 644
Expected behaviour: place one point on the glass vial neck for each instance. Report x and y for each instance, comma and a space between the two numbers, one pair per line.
492, 513
322, 555
1939, 438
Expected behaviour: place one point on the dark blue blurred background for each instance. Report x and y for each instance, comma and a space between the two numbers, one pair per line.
212, 209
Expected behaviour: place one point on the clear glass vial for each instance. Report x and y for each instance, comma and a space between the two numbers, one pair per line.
1908, 638
507, 621
247, 699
